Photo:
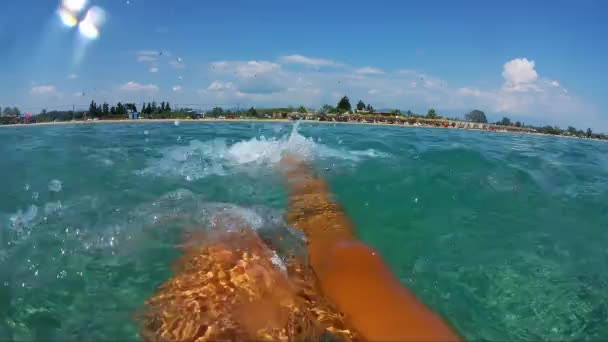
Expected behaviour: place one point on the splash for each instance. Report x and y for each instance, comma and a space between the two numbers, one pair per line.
200, 159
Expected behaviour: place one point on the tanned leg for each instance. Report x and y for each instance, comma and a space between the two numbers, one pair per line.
352, 275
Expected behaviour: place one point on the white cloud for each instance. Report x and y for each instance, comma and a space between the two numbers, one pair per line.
134, 86
246, 69
470, 91
153, 70
523, 94
369, 71
177, 64
146, 59
148, 52
72, 76
520, 75
177, 88
309, 61
44, 90
220, 86
555, 84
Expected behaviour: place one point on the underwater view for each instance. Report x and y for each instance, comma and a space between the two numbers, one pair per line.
501, 234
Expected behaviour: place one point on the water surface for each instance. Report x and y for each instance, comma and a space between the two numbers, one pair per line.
504, 235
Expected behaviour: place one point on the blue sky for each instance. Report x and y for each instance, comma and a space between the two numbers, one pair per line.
537, 61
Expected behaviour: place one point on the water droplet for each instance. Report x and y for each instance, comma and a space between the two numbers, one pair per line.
176, 123
55, 185
26, 187
416, 200
35, 196
146, 132
36, 273
22, 284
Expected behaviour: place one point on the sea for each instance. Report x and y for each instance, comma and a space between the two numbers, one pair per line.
504, 235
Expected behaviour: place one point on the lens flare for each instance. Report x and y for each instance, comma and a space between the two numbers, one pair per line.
88, 30
67, 18
89, 27
74, 5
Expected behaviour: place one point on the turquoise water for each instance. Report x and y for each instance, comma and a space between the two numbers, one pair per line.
505, 235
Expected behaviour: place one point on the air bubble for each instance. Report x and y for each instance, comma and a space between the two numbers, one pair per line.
55, 185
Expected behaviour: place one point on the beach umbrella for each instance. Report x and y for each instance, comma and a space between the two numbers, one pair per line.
28, 115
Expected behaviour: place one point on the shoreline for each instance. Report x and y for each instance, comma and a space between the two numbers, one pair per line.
141, 121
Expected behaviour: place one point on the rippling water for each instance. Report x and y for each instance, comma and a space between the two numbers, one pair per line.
504, 235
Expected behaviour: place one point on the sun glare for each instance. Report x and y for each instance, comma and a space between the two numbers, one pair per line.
67, 18
74, 5
89, 27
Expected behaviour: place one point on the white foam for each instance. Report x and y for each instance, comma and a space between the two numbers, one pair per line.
22, 219
53, 208
200, 159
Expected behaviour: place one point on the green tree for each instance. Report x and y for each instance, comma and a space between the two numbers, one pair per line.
328, 109
252, 112
360, 105
92, 108
476, 116
302, 110
431, 114
517, 124
162, 107
409, 113
369, 108
120, 109
113, 110
571, 130
505, 121
217, 111
167, 107
149, 109
396, 112
105, 109
589, 132
344, 105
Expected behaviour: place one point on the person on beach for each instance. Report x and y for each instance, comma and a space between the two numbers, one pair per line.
228, 285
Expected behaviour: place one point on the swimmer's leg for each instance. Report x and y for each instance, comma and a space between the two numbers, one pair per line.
352, 275
227, 286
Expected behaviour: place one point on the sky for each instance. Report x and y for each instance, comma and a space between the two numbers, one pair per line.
540, 62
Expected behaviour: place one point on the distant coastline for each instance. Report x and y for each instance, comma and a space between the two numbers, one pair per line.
440, 123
